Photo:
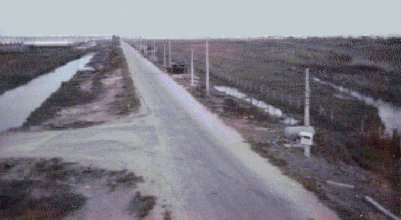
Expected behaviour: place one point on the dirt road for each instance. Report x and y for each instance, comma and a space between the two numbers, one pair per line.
197, 167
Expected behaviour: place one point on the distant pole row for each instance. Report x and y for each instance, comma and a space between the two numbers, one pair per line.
167, 62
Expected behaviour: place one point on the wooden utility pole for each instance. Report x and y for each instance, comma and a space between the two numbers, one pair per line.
164, 55
169, 53
154, 50
192, 67
207, 67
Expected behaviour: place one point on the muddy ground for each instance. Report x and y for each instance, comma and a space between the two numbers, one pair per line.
265, 135
91, 97
54, 189
18, 68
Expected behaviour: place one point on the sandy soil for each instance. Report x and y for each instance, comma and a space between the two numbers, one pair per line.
94, 112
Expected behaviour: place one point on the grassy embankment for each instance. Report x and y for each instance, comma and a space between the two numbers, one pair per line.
108, 59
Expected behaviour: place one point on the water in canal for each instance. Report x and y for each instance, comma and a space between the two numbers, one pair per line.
17, 104
271, 110
389, 114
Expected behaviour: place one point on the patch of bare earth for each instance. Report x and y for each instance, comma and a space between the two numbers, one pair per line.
53, 189
94, 112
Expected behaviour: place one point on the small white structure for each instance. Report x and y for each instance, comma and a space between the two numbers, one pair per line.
306, 137
292, 133
41, 43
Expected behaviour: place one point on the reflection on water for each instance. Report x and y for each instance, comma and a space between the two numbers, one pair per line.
389, 114
17, 104
271, 110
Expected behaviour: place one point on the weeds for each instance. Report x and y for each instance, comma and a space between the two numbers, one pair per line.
141, 205
46, 188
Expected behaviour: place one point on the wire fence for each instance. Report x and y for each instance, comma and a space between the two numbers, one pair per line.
323, 110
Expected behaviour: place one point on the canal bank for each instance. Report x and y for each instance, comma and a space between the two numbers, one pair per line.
17, 104
103, 94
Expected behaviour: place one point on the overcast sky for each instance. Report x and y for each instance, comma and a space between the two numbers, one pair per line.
201, 18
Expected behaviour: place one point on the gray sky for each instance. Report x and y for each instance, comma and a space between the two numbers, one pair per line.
201, 18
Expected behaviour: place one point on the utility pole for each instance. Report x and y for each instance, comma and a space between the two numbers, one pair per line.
154, 50
169, 53
164, 55
307, 99
192, 66
207, 67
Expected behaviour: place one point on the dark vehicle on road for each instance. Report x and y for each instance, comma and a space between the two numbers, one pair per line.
177, 67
